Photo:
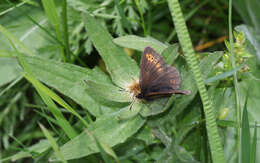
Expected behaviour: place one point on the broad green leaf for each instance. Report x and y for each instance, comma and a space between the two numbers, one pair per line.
53, 143
69, 80
7, 53
107, 91
103, 148
16, 41
209, 62
157, 106
107, 129
120, 66
170, 54
130, 111
139, 43
9, 70
27, 32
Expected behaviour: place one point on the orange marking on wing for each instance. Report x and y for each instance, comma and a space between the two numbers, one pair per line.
172, 81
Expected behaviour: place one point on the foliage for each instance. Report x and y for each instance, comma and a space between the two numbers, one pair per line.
66, 67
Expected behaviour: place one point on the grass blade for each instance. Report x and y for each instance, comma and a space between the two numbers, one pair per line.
65, 29
52, 14
231, 41
253, 146
63, 123
245, 144
53, 143
55, 97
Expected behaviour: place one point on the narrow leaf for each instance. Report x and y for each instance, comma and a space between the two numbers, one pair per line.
253, 146
63, 123
245, 137
53, 143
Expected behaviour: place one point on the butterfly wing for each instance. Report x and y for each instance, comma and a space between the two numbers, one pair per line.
156, 77
151, 67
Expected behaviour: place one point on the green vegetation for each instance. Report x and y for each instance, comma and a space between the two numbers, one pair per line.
66, 67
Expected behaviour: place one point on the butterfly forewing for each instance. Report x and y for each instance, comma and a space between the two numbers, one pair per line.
152, 65
156, 77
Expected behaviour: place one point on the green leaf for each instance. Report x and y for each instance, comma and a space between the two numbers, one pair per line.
69, 80
107, 129
107, 91
103, 148
170, 54
245, 137
16, 41
130, 111
223, 75
253, 146
209, 62
120, 66
9, 70
140, 43
157, 106
53, 143
52, 14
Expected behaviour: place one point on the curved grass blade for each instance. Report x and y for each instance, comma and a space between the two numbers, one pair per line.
63, 123
52, 143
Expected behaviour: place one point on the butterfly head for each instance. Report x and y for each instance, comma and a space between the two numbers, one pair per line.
134, 88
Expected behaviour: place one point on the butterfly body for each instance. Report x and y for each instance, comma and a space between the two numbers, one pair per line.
157, 79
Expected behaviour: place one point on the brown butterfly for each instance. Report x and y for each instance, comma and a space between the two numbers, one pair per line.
157, 79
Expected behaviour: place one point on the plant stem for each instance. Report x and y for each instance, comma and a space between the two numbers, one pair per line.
238, 107
185, 41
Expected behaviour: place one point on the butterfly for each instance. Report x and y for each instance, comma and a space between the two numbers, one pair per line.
157, 79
